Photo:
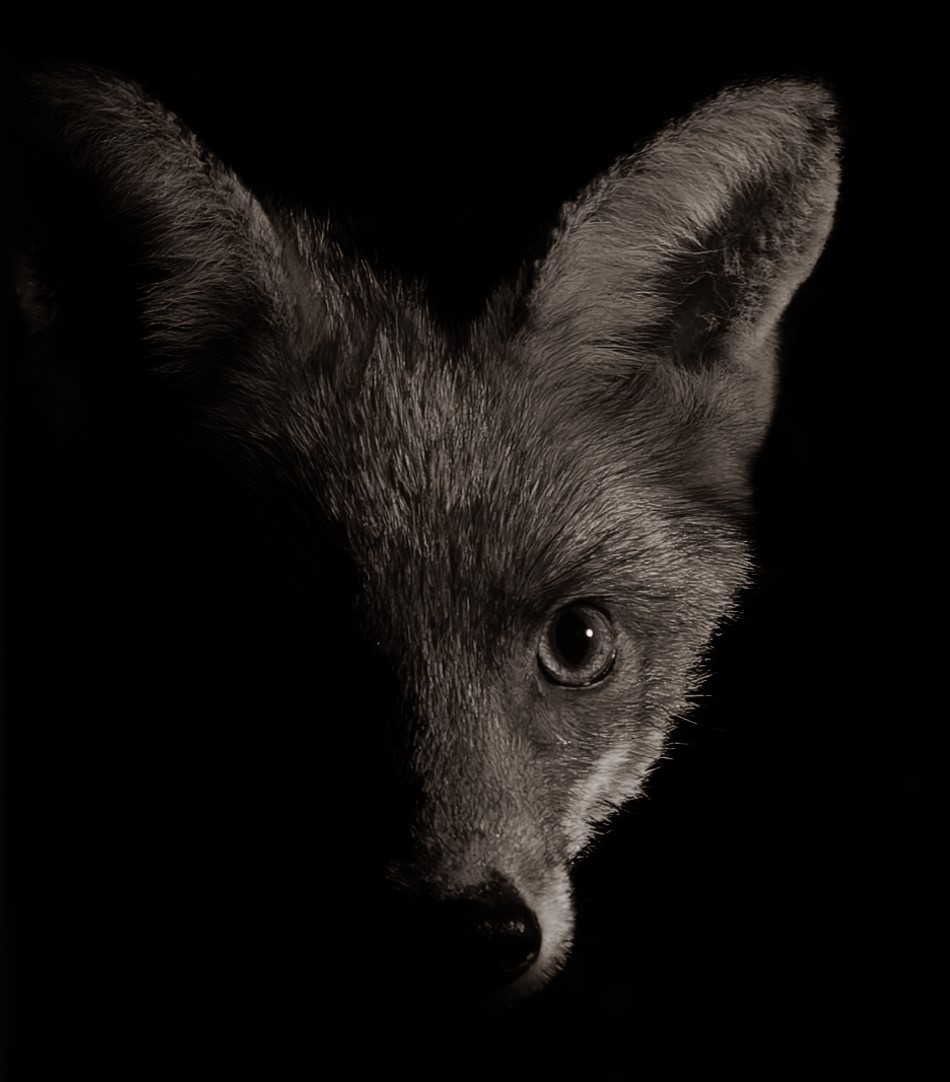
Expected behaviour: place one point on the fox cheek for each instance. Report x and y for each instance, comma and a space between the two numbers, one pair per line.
616, 777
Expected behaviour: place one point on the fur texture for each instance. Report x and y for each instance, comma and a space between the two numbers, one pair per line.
587, 442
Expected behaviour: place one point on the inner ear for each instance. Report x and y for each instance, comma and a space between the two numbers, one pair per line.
725, 288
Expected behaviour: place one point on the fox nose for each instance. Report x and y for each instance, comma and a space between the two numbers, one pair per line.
485, 942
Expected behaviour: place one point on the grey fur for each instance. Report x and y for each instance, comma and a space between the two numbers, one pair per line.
590, 438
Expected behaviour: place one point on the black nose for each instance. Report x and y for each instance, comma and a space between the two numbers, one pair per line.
485, 942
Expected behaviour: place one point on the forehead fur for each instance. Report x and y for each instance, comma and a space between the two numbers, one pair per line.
476, 492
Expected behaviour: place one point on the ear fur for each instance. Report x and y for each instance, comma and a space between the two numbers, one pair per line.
667, 277
674, 268
216, 261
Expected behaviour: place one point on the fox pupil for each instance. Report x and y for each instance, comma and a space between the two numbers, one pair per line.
573, 637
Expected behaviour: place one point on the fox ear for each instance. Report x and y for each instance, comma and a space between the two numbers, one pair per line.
682, 258
210, 258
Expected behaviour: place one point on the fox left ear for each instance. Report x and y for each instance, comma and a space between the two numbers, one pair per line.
676, 266
213, 258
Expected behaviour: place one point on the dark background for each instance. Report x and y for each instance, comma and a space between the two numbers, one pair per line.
770, 911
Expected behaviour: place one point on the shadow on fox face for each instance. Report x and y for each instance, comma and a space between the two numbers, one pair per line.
539, 520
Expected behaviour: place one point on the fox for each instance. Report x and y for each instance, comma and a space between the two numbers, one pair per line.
528, 529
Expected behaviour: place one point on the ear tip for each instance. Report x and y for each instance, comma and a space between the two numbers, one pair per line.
780, 121
51, 79
73, 87
807, 93
818, 108
817, 104
792, 101
784, 92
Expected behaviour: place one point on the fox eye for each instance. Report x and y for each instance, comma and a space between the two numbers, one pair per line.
578, 646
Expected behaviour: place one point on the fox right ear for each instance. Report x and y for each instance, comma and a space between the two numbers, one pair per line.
675, 267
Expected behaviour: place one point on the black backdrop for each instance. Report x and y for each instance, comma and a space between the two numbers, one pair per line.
770, 910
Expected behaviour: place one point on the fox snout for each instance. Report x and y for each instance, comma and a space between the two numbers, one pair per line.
488, 939
492, 940
481, 887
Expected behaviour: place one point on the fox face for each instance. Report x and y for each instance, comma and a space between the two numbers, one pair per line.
541, 516
543, 596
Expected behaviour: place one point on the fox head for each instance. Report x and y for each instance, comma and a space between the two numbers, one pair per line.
541, 517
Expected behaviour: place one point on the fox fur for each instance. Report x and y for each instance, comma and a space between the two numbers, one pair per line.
583, 448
